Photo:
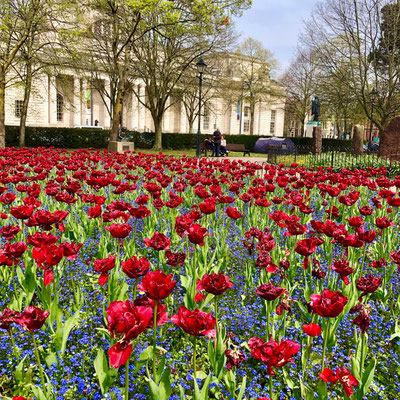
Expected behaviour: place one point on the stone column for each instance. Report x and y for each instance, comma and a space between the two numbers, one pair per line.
52, 101
358, 136
317, 140
77, 106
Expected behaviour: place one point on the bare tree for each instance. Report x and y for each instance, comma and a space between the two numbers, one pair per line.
299, 84
212, 88
356, 32
106, 30
255, 64
18, 18
163, 55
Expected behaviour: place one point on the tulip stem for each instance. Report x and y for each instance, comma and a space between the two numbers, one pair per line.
270, 387
194, 366
12, 341
127, 380
325, 342
134, 236
154, 340
194, 273
216, 319
134, 290
362, 353
268, 317
38, 361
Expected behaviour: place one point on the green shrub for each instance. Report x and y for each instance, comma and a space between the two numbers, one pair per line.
74, 138
68, 138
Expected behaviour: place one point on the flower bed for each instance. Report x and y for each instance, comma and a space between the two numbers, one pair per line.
132, 276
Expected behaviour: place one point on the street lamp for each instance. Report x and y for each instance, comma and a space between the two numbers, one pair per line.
245, 86
373, 96
201, 66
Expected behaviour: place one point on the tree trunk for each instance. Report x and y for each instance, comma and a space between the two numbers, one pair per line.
24, 111
190, 122
2, 107
158, 134
116, 116
252, 112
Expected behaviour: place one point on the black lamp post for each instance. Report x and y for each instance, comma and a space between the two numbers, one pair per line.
373, 95
201, 66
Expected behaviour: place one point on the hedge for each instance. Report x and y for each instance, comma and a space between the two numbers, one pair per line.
74, 138
67, 138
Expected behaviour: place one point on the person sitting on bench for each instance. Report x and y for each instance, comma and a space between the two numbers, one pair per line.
209, 144
223, 152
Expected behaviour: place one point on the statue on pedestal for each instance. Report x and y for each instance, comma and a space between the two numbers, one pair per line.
315, 108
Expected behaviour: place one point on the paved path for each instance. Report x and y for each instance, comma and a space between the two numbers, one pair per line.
258, 160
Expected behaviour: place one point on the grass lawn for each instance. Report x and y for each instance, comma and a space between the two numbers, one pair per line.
192, 153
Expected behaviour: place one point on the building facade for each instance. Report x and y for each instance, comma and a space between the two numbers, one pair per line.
68, 100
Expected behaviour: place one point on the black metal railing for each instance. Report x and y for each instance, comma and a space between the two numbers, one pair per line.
335, 159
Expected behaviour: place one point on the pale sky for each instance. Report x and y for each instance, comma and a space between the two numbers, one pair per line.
277, 24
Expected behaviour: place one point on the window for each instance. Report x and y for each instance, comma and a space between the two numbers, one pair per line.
206, 119
272, 124
18, 108
246, 112
246, 126
60, 106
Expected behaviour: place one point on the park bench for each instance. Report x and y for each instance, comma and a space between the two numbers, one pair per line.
230, 147
239, 148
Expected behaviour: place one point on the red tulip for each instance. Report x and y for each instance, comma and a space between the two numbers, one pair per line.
134, 267
368, 284
71, 250
366, 236
355, 222
329, 304
9, 231
125, 321
158, 242
312, 329
343, 269
119, 231
20, 398
14, 250
208, 207
273, 354
7, 198
343, 376
233, 213
21, 212
196, 322
196, 234
157, 285
306, 247
383, 222
95, 211
139, 212
162, 314
270, 292
103, 266
40, 239
215, 284
32, 318
175, 259
6, 318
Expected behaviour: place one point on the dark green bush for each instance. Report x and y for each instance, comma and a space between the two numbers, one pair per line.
68, 138
74, 138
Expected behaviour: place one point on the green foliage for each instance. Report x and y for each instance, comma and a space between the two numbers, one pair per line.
73, 138
67, 138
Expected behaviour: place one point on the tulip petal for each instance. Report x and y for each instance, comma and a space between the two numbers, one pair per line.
119, 354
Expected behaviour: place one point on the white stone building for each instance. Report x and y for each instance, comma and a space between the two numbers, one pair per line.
66, 101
